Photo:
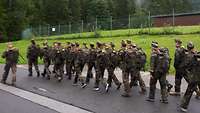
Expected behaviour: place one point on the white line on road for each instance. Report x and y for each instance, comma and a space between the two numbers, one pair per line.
43, 101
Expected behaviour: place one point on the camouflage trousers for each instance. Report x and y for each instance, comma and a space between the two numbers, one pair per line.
89, 71
59, 71
78, 70
99, 74
46, 71
68, 68
112, 76
188, 94
136, 76
7, 68
180, 73
31, 63
161, 77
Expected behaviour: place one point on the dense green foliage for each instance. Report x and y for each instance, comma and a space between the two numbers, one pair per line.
17, 15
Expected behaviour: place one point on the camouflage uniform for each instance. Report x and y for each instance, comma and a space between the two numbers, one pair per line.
180, 71
91, 62
79, 64
140, 63
194, 67
33, 52
100, 65
159, 67
58, 58
45, 54
112, 61
11, 55
69, 56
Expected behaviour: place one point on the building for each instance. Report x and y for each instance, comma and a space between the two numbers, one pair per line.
183, 19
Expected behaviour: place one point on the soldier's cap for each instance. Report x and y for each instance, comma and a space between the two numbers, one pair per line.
178, 41
68, 43
190, 45
112, 44
98, 43
134, 45
128, 41
10, 45
84, 43
59, 44
154, 44
72, 44
76, 44
162, 49
33, 41
92, 44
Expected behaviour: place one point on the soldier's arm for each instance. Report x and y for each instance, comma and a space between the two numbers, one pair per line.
152, 62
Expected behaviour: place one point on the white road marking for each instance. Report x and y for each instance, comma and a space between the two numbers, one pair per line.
43, 101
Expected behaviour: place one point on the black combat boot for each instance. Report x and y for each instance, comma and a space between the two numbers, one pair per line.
38, 74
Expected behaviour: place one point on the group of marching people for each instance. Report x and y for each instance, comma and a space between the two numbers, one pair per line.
70, 59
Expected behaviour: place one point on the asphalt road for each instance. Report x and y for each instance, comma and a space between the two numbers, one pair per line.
13, 104
99, 102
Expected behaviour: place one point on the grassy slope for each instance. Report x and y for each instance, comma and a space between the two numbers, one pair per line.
143, 41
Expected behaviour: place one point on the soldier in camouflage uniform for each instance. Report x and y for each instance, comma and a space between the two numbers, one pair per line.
158, 68
79, 64
99, 64
58, 56
91, 62
11, 55
33, 52
69, 59
193, 69
180, 72
112, 61
45, 54
140, 63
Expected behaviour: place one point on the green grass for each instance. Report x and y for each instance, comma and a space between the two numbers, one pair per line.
143, 41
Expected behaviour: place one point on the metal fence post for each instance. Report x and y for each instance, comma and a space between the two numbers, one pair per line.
48, 30
82, 25
111, 22
39, 30
96, 24
173, 17
149, 21
59, 29
129, 24
70, 30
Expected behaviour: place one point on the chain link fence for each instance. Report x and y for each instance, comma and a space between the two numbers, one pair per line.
100, 24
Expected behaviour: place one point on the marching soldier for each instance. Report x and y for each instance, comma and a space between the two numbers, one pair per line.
45, 54
11, 55
99, 64
158, 68
193, 69
58, 58
112, 61
79, 64
91, 62
33, 52
180, 72
69, 59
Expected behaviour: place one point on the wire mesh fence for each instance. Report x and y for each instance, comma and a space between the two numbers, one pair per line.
102, 24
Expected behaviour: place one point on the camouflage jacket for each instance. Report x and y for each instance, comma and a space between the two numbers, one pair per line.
33, 52
11, 56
